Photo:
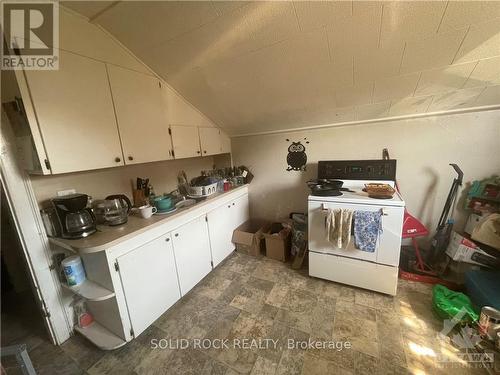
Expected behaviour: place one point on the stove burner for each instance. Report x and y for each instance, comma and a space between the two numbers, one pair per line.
380, 196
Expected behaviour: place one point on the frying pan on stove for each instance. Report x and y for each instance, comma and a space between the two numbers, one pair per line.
325, 183
325, 187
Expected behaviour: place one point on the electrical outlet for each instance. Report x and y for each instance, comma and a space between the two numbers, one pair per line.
62, 193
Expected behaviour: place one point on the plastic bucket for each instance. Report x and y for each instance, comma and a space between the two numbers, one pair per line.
73, 270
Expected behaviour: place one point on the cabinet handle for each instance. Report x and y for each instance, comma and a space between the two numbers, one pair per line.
198, 152
228, 206
204, 151
117, 159
167, 239
177, 235
233, 203
130, 158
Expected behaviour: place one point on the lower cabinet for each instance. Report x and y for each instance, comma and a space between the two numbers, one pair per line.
192, 253
155, 275
149, 279
222, 222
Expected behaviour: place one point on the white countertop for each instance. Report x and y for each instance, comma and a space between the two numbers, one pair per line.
108, 236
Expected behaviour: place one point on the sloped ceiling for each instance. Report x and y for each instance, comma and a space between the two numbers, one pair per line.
265, 66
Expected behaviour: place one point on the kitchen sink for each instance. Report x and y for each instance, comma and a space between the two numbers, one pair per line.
185, 203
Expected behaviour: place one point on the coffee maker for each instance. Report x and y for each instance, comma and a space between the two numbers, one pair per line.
77, 221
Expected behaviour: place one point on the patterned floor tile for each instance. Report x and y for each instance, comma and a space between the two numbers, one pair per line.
258, 298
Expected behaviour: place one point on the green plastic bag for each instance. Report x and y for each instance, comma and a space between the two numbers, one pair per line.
448, 304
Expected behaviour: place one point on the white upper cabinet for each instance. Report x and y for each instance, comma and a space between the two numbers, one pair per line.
225, 143
75, 115
185, 141
141, 116
210, 140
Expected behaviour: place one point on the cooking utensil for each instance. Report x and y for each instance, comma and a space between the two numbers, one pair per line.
113, 210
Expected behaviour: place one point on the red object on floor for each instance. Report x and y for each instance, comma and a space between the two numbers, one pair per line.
413, 228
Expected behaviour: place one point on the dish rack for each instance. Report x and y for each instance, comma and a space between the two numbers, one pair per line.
202, 191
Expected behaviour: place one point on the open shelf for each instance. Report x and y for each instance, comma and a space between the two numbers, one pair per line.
90, 291
100, 336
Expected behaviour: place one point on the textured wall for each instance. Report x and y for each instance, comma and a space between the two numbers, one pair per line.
100, 183
423, 148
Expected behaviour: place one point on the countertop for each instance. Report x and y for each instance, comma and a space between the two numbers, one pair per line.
107, 236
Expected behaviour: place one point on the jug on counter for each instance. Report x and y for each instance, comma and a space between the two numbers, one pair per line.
113, 210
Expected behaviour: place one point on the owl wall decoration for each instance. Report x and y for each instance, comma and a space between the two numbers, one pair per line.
297, 157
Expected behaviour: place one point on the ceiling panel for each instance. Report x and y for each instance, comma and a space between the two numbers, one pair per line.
355, 95
372, 111
373, 63
489, 96
460, 14
410, 106
281, 64
409, 20
446, 79
486, 72
395, 87
438, 50
313, 15
141, 25
455, 100
482, 41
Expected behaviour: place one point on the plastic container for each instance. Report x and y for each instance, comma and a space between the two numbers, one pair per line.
73, 270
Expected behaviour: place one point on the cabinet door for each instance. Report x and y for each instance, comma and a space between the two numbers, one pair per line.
149, 281
141, 116
239, 211
225, 143
210, 141
221, 232
75, 115
185, 141
192, 253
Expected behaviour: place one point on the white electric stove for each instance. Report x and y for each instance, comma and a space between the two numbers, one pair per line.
376, 271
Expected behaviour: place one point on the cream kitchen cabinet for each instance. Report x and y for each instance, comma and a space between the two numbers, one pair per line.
185, 141
141, 116
210, 141
222, 221
149, 279
225, 143
73, 114
192, 253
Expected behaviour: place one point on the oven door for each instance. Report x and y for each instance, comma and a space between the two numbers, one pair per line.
389, 245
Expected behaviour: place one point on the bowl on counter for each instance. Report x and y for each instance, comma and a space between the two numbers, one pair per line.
163, 203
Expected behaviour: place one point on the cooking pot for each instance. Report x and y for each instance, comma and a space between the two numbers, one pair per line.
113, 210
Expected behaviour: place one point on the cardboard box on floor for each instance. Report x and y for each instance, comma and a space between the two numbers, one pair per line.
278, 244
248, 237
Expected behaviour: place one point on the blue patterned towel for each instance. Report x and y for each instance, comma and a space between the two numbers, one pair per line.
367, 228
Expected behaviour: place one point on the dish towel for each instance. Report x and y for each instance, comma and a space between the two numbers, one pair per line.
338, 227
367, 228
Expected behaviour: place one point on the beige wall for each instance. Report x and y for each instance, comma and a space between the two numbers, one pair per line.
119, 180
423, 147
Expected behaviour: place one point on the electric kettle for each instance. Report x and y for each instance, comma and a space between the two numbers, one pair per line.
113, 210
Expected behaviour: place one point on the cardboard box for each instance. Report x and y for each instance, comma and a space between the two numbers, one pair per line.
248, 237
278, 244
462, 249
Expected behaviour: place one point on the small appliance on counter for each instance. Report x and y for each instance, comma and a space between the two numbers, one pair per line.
113, 210
75, 219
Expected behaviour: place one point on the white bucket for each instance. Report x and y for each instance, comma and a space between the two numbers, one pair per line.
73, 270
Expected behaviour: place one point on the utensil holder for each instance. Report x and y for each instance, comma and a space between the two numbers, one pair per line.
139, 197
